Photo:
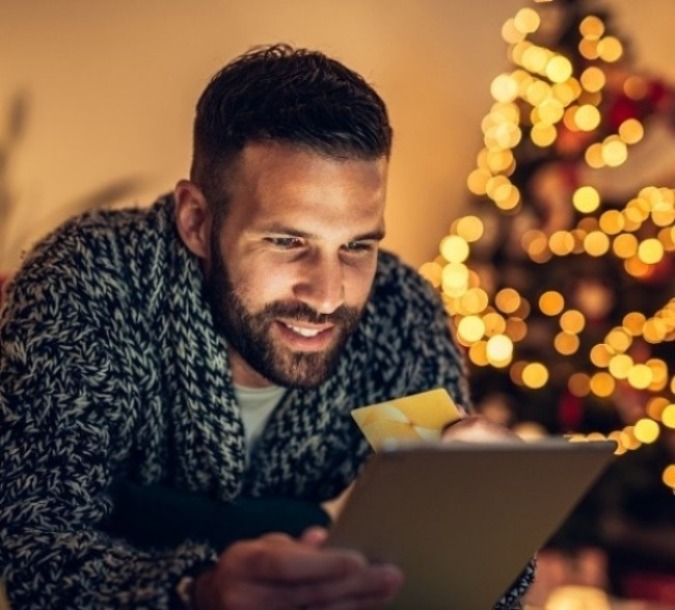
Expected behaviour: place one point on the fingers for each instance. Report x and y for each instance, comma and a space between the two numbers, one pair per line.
314, 537
276, 558
371, 587
276, 572
478, 429
368, 588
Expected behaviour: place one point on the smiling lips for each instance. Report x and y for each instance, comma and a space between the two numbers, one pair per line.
307, 337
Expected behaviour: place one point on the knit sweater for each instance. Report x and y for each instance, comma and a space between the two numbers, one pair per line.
110, 366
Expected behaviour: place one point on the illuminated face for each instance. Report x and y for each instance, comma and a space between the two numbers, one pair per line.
293, 263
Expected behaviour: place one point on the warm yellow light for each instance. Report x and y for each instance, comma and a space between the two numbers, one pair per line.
474, 301
668, 416
631, 131
668, 476
572, 321
566, 343
601, 354
477, 353
535, 375
504, 135
640, 376
455, 279
593, 79
593, 156
497, 186
499, 351
646, 430
535, 243
543, 134
558, 69
602, 384
587, 117
537, 91
614, 152
619, 340
592, 27
551, 303
504, 88
588, 48
470, 228
470, 329
527, 20
610, 49
663, 217
510, 34
495, 324
620, 365
477, 181
454, 249
665, 236
586, 199
650, 251
561, 243
432, 273
565, 93
625, 245
656, 406
596, 243
635, 267
659, 374
499, 161
634, 322
638, 210
550, 111
508, 300
654, 330
611, 222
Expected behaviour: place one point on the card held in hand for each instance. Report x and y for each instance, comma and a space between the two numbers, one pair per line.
409, 419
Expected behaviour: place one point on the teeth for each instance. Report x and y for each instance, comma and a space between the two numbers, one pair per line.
305, 332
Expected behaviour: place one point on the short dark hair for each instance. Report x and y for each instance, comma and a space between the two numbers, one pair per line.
281, 94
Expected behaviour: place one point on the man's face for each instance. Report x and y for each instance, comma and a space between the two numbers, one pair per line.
292, 265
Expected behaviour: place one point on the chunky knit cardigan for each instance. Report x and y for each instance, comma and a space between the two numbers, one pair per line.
110, 367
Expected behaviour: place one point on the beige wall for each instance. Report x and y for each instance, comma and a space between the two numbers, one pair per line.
111, 86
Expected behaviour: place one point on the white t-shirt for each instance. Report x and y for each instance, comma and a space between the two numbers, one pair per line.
256, 406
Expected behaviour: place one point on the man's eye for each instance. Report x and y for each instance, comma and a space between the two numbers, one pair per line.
285, 243
359, 246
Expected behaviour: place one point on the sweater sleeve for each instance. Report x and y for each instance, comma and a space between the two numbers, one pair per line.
63, 418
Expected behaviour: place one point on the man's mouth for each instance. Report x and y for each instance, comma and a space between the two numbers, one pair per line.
307, 336
305, 332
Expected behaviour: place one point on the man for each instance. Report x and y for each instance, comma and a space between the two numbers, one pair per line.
214, 346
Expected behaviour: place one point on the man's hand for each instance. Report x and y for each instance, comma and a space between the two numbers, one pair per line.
277, 572
474, 428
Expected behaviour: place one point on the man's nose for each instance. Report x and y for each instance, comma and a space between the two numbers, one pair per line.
322, 284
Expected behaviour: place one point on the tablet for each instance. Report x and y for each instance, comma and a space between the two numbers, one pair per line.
462, 520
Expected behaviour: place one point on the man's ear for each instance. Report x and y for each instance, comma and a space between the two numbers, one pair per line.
193, 218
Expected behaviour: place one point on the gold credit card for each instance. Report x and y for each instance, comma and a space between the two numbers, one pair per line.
409, 419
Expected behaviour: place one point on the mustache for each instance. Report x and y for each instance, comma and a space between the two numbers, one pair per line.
343, 315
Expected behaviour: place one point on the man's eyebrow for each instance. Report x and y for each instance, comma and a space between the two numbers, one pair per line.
284, 230
376, 235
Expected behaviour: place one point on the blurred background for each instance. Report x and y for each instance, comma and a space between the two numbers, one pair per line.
108, 89
531, 182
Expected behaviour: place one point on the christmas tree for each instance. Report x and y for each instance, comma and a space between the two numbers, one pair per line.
559, 279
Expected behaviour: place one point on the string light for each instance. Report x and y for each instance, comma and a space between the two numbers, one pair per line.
537, 104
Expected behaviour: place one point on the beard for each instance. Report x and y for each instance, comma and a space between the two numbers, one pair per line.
249, 333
